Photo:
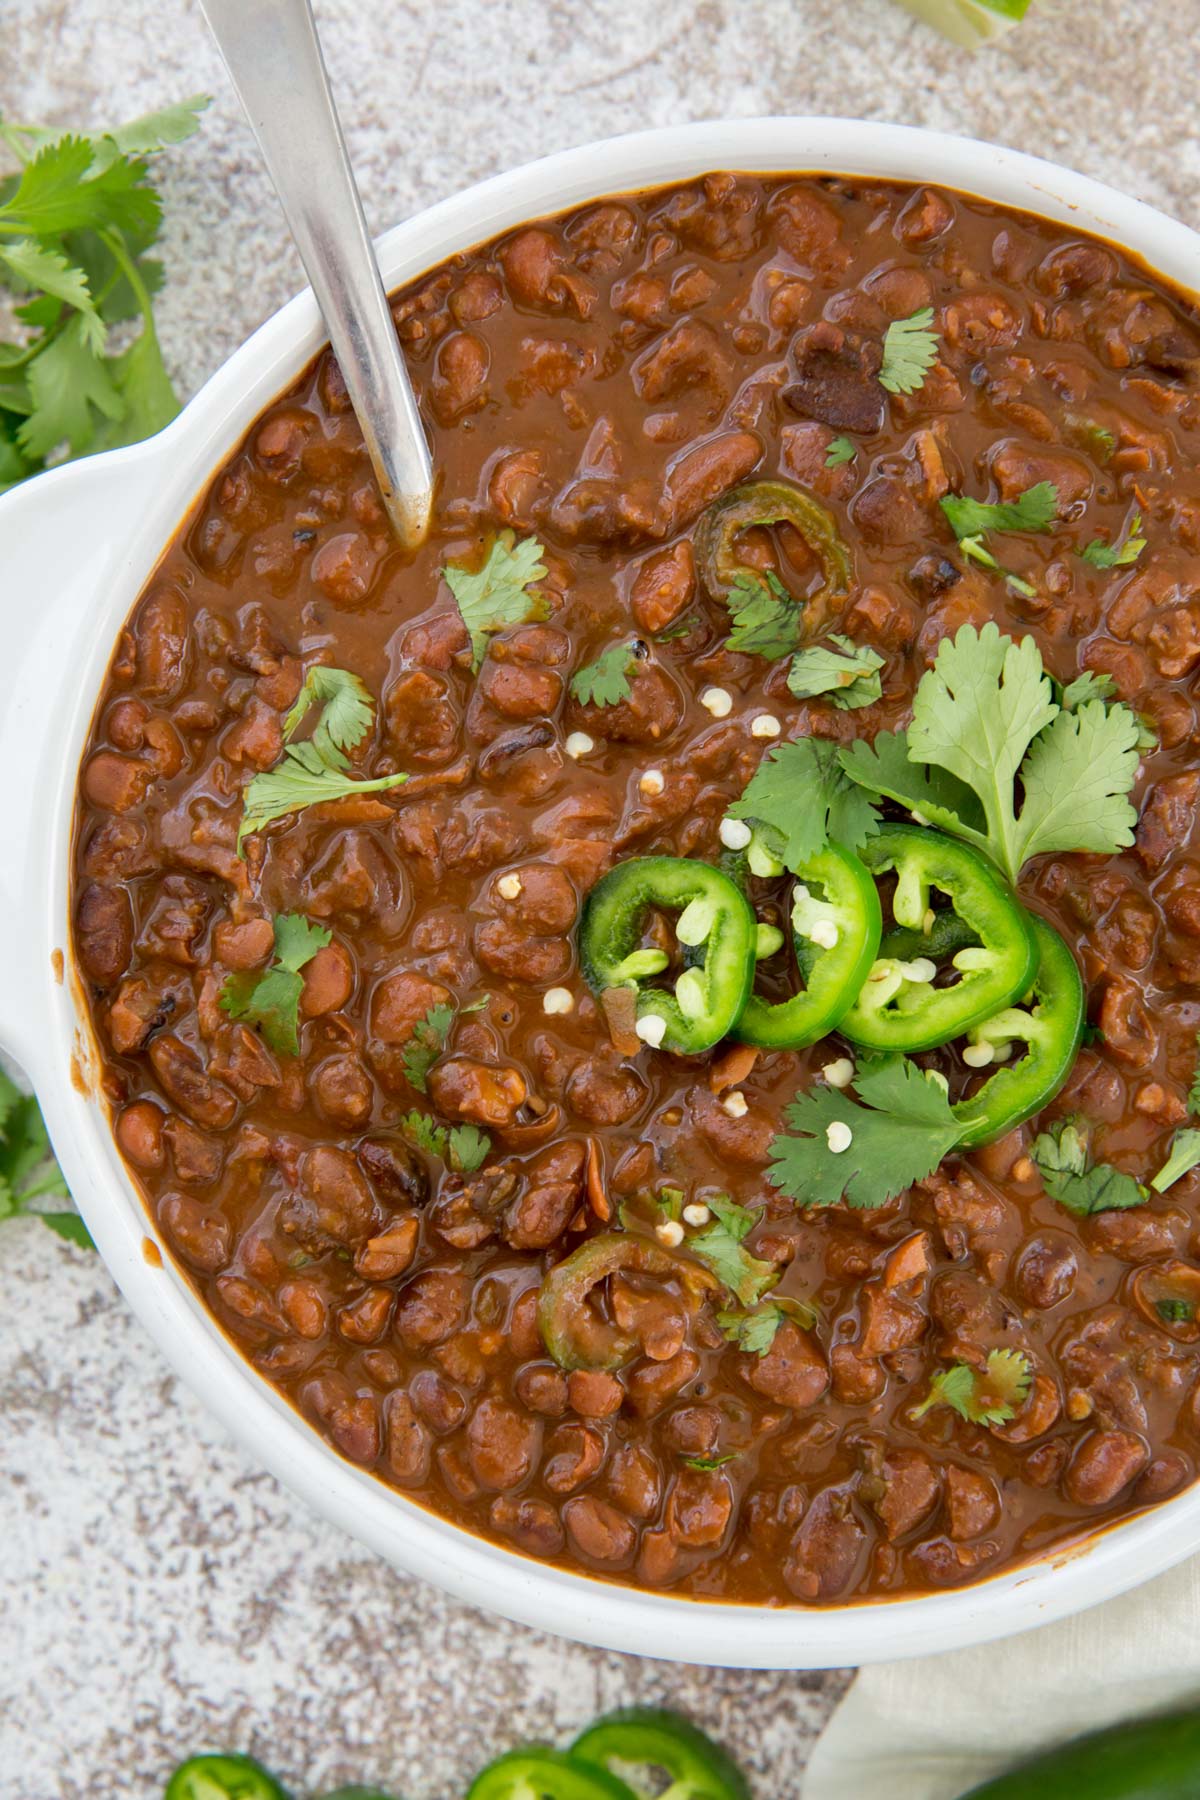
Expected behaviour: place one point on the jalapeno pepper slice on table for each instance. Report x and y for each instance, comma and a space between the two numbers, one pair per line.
572, 1331
1051, 1029
644, 1736
836, 925
773, 503
1146, 1759
223, 1776
899, 1008
538, 1774
715, 930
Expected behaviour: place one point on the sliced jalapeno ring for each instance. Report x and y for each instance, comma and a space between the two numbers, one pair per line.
1051, 1029
899, 1008
836, 925
773, 503
644, 1736
539, 1774
573, 1332
717, 934
228, 1776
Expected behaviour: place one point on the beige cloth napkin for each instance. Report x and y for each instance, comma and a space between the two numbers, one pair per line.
931, 1728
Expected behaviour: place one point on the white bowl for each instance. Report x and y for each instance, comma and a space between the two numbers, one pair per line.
75, 548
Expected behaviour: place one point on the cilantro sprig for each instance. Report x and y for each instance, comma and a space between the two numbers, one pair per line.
987, 727
847, 672
899, 1130
498, 593
1063, 1158
991, 1396
1033, 511
426, 1044
766, 618
319, 769
720, 1248
1185, 1156
841, 450
270, 998
753, 1329
605, 682
463, 1148
76, 225
28, 1170
910, 348
801, 791
1119, 555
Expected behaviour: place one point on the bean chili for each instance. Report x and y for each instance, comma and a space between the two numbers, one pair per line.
372, 1220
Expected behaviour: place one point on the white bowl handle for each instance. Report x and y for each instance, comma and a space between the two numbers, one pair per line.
64, 539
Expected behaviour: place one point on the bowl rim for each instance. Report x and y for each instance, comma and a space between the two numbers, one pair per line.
132, 501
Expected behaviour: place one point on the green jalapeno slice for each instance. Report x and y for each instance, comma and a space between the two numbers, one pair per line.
1050, 1027
229, 1776
773, 503
899, 1008
572, 1330
715, 935
836, 925
539, 1774
646, 1737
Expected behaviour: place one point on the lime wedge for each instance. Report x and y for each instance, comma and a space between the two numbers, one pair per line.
970, 22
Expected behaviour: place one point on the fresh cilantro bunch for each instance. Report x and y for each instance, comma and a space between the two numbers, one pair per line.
270, 998
28, 1171
993, 758
803, 794
76, 222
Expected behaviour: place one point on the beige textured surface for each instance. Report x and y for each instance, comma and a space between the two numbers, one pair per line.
158, 1593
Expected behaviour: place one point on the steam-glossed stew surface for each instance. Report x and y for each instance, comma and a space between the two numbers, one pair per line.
597, 381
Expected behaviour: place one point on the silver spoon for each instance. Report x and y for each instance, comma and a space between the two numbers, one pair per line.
273, 56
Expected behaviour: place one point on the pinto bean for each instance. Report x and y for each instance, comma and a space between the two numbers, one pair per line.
187, 1082
328, 981
575, 1452
1104, 1463
408, 1445
503, 1444
550, 1192
972, 1503
161, 634
793, 1371
837, 378
701, 475
598, 1532
594, 1393
486, 1094
104, 932
332, 1204
460, 377
531, 1524
911, 1490
1046, 1272
199, 1233
699, 1508
139, 1132
826, 1550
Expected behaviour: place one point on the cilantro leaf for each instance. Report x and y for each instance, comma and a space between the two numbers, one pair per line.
605, 682
885, 768
991, 1397
1076, 780
753, 1329
1112, 556
469, 1148
497, 593
898, 1136
347, 712
153, 130
300, 779
44, 266
705, 1465
1063, 1158
426, 1044
318, 770
1194, 1090
719, 1247
28, 1170
910, 348
846, 671
1085, 687
270, 998
976, 550
766, 618
68, 385
1185, 1155
1034, 510
62, 189
802, 792
424, 1132
840, 451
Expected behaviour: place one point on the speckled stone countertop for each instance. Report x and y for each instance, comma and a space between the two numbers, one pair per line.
158, 1592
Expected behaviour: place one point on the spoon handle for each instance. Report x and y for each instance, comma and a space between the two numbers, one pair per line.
273, 56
